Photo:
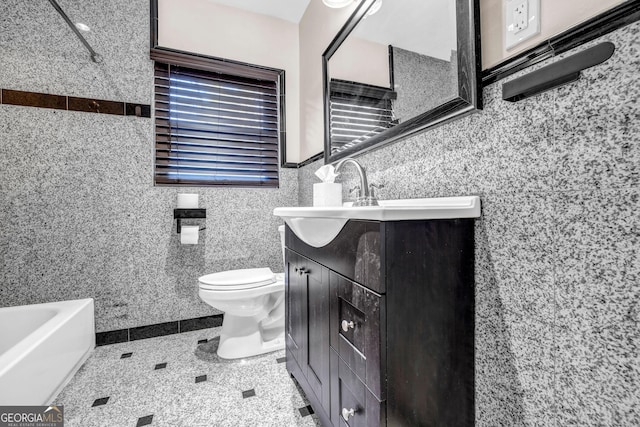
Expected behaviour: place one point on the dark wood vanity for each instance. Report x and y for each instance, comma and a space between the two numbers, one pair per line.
380, 323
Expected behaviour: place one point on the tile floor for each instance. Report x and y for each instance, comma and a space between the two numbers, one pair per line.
178, 380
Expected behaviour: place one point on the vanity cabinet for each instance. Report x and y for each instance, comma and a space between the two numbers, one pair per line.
307, 324
380, 323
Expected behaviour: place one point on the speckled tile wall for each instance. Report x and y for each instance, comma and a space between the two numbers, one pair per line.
558, 248
79, 215
422, 82
40, 53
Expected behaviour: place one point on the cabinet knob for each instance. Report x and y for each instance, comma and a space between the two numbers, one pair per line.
348, 413
302, 271
295, 269
347, 325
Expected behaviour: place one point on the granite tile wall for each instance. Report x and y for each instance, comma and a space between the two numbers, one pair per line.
422, 82
558, 246
79, 214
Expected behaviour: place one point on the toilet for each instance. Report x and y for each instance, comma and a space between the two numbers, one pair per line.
252, 300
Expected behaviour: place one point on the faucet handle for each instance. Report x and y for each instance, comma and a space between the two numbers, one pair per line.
372, 187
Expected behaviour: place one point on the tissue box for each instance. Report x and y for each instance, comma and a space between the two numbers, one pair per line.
327, 194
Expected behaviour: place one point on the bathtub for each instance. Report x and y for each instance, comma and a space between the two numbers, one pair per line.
41, 348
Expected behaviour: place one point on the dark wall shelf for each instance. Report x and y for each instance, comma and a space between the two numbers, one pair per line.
557, 74
181, 214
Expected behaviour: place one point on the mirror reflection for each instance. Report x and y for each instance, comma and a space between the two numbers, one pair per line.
399, 62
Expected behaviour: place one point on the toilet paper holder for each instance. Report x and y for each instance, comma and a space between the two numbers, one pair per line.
180, 214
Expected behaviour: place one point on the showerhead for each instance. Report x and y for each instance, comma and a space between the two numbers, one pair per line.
95, 57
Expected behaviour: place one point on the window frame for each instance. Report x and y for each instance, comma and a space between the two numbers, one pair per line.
203, 63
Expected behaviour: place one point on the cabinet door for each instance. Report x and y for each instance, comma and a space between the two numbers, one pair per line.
295, 294
315, 280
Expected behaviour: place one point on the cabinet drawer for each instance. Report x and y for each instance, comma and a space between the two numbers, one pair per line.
353, 404
357, 327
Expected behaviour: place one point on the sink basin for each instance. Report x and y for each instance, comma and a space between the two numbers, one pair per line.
317, 226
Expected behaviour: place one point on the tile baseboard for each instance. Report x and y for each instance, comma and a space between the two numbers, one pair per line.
157, 330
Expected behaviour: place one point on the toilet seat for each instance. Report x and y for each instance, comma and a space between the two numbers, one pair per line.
236, 280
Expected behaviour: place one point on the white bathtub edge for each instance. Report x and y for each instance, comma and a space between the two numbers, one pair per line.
14, 355
64, 342
70, 376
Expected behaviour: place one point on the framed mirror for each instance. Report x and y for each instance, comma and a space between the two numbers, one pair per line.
397, 68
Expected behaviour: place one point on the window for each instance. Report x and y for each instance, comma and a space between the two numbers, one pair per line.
357, 112
217, 122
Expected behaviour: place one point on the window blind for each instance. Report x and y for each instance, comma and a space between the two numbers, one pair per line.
216, 128
358, 112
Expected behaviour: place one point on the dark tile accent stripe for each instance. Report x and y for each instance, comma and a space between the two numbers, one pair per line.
100, 402
196, 324
202, 341
73, 103
96, 106
307, 410
160, 366
112, 337
248, 393
126, 355
33, 99
158, 329
152, 331
281, 359
144, 421
140, 110
201, 378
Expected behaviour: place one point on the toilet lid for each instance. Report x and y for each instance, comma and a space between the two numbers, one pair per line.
234, 280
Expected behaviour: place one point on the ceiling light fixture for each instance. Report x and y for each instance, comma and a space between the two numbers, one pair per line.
337, 3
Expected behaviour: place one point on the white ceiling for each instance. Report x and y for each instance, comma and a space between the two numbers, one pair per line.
289, 10
422, 26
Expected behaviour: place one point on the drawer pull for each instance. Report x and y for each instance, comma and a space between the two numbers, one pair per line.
348, 413
347, 325
302, 271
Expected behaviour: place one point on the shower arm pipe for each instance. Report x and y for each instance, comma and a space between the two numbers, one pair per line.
95, 57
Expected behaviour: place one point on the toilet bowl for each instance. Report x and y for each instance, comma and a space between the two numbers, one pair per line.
252, 300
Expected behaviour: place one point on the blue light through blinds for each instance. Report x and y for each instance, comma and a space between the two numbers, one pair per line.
358, 112
215, 129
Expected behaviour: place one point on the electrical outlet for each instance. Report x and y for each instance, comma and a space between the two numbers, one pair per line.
520, 16
522, 21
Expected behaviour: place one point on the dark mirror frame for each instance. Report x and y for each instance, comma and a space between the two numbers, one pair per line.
469, 96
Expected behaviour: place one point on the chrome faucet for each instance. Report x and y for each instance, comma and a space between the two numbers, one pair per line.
366, 196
